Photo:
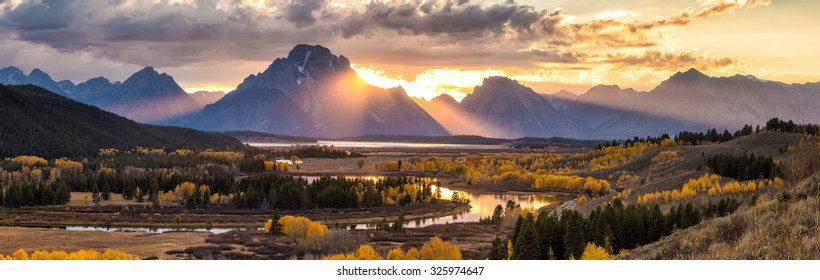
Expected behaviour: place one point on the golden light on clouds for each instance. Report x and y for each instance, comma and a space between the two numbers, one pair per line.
444, 48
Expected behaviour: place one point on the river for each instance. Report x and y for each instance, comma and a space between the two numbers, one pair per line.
483, 205
362, 144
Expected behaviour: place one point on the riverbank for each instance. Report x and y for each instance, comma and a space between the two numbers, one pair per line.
216, 217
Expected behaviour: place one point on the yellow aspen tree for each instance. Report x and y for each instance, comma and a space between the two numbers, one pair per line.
316, 230
366, 252
437, 249
268, 225
594, 252
509, 249
412, 254
40, 255
395, 254
21, 255
340, 257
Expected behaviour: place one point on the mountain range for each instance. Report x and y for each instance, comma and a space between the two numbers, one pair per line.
38, 122
313, 92
147, 96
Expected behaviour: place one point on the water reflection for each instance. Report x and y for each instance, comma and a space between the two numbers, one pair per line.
363, 144
151, 230
483, 205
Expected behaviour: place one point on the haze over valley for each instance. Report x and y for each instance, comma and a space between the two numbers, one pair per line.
314, 92
409, 130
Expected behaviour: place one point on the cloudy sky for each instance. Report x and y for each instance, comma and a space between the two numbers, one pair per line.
428, 47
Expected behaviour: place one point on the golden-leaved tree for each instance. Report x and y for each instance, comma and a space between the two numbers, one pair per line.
78, 255
437, 249
595, 252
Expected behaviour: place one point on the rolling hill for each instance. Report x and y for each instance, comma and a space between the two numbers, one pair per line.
38, 122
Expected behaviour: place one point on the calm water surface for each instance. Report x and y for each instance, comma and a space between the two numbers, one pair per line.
360, 144
483, 205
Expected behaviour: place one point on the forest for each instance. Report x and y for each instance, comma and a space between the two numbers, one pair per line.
743, 167
615, 228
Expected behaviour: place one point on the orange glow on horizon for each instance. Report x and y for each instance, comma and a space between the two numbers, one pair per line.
194, 89
430, 83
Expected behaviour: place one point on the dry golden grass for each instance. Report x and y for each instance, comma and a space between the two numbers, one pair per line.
784, 227
142, 245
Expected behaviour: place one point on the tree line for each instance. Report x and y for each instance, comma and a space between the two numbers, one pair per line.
289, 193
613, 228
743, 167
776, 124
713, 136
31, 194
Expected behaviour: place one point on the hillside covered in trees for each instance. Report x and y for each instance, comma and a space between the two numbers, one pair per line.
36, 121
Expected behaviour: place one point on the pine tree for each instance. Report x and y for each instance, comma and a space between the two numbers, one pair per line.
519, 222
2, 196
153, 192
106, 192
28, 198
526, 244
11, 194
574, 234
690, 216
499, 249
551, 235
497, 215
95, 194
276, 227
655, 230
63, 195
206, 198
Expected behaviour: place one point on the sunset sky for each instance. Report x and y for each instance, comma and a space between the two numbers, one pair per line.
428, 47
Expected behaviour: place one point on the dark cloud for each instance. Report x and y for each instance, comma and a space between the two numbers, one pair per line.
40, 15
301, 12
455, 32
669, 61
453, 18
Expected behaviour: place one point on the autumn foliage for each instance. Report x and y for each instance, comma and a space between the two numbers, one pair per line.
298, 227
710, 184
613, 156
78, 255
435, 249
595, 252
30, 160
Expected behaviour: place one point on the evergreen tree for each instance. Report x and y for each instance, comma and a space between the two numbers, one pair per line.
526, 244
499, 249
551, 236
206, 198
656, 226
95, 194
275, 227
690, 216
497, 215
574, 243
519, 222
153, 191
106, 192
28, 198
